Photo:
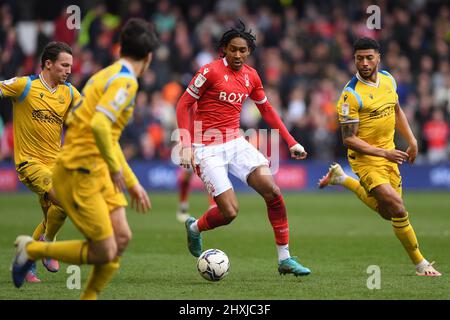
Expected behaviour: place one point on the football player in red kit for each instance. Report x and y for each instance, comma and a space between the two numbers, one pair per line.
219, 90
184, 182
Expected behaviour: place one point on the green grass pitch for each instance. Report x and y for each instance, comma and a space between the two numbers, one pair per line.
333, 234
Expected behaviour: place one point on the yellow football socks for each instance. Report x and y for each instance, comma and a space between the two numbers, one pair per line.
402, 227
405, 233
73, 251
99, 277
55, 219
354, 186
40, 229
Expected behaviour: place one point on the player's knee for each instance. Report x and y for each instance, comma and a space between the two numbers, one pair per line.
108, 253
123, 240
384, 214
397, 204
273, 193
129, 236
102, 253
394, 207
399, 210
230, 211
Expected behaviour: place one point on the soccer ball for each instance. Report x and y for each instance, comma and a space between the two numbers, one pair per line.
213, 265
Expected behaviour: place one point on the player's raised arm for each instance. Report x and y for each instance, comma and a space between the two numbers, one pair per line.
402, 125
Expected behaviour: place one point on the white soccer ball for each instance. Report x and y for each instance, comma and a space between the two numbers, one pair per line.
213, 265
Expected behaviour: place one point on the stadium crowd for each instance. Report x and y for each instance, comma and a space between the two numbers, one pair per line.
304, 56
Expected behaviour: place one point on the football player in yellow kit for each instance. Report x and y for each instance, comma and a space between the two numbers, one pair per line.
91, 171
40, 105
369, 114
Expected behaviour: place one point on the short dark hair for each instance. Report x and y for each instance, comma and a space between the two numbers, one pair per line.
238, 32
137, 39
52, 51
366, 43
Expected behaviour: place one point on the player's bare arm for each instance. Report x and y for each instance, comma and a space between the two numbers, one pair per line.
402, 125
351, 141
139, 197
186, 157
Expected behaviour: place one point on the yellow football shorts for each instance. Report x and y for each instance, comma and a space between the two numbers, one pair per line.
38, 178
88, 198
373, 176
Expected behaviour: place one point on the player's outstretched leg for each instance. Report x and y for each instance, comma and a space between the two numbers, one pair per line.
262, 181
194, 238
391, 205
276, 211
337, 176
405, 233
22, 262
334, 176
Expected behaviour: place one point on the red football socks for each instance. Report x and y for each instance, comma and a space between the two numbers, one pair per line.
276, 211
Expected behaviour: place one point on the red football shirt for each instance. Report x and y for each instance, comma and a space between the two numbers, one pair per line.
220, 92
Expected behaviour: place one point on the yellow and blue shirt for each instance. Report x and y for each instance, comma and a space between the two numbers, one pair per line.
111, 91
38, 114
372, 106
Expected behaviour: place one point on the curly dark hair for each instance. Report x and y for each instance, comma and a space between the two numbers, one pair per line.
238, 32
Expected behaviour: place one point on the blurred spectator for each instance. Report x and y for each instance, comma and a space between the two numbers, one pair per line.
11, 56
7, 142
96, 23
164, 19
436, 133
62, 33
133, 136
442, 93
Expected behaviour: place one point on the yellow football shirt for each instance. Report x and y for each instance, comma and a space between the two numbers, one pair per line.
372, 106
38, 114
111, 91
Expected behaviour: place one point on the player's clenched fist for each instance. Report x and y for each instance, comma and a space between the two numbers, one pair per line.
298, 152
186, 157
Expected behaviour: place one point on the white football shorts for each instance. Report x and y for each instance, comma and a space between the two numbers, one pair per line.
213, 162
